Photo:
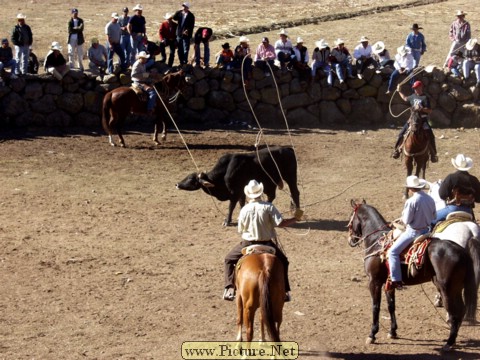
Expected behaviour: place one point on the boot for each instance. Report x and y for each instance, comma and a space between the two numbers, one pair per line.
396, 154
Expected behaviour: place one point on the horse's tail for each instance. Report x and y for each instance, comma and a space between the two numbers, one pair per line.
266, 306
472, 279
106, 106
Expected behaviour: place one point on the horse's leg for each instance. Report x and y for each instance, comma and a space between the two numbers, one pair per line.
118, 128
390, 295
376, 294
248, 317
456, 311
239, 315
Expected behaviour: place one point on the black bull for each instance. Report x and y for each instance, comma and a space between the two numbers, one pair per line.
232, 172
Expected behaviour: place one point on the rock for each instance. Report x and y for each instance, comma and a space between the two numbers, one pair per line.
110, 79
53, 88
344, 106
399, 114
58, 118
88, 119
44, 105
438, 75
33, 91
92, 101
296, 100
315, 91
434, 89
350, 94
447, 102
199, 73
70, 102
459, 93
329, 113
269, 96
368, 91
213, 84
439, 119
366, 111
270, 116
125, 79
201, 87
221, 100
302, 118
13, 104
196, 103
467, 115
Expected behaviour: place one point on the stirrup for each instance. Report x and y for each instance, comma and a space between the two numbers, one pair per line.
229, 294
396, 154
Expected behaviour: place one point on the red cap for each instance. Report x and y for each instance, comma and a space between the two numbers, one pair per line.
417, 84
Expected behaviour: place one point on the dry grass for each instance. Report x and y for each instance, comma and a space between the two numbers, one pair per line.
48, 20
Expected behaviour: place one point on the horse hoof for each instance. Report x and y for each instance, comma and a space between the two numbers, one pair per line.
447, 348
392, 336
438, 301
369, 341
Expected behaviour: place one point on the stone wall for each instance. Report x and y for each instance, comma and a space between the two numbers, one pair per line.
216, 96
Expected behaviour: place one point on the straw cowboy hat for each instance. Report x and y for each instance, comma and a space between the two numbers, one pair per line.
138, 7
254, 189
403, 50
378, 47
243, 39
186, 4
413, 182
462, 163
142, 55
363, 39
283, 32
94, 40
21, 16
56, 46
299, 40
460, 13
339, 41
321, 44
471, 44
168, 16
115, 15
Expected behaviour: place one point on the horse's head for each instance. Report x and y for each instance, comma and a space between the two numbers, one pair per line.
415, 121
365, 225
355, 225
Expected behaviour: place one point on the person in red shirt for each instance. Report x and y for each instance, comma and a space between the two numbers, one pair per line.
225, 57
168, 38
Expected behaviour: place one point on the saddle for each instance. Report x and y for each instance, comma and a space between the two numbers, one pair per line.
140, 91
254, 249
462, 197
453, 217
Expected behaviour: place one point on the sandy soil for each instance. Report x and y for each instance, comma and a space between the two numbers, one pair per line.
102, 258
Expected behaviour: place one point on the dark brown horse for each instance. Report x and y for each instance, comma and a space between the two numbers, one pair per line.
447, 265
415, 146
260, 283
122, 101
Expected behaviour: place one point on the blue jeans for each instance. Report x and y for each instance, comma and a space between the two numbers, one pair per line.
136, 42
183, 48
326, 69
339, 69
152, 99
115, 49
398, 246
393, 79
442, 213
12, 64
21, 57
126, 47
416, 57
206, 56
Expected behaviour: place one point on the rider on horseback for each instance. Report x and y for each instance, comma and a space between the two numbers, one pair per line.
256, 223
140, 78
419, 101
460, 189
418, 212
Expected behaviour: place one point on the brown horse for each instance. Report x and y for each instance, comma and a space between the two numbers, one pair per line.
260, 283
447, 265
122, 101
415, 146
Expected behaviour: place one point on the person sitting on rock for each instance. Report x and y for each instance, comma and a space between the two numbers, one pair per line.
341, 60
241, 56
404, 63
302, 57
264, 55
284, 51
225, 57
382, 56
98, 55
363, 56
454, 64
320, 60
7, 60
421, 102
55, 62
472, 60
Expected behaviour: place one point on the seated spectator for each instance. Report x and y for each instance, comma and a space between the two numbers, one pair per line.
55, 62
381, 55
454, 64
225, 57
242, 55
403, 65
341, 60
202, 36
284, 51
302, 57
363, 56
472, 59
7, 60
264, 55
320, 60
97, 54
33, 64
168, 38
152, 50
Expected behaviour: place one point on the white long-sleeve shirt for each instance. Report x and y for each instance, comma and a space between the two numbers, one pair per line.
406, 62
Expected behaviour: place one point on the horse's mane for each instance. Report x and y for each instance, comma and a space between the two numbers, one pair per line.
373, 213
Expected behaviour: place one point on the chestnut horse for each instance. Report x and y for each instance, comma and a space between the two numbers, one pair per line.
122, 101
415, 146
260, 283
447, 265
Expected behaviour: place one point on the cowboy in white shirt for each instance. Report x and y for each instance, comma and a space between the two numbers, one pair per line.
404, 64
363, 56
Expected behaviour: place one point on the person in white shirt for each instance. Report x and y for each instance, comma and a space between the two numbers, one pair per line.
284, 51
404, 64
302, 57
140, 78
320, 60
97, 54
363, 56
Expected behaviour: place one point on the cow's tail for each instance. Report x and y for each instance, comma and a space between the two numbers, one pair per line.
266, 305
106, 106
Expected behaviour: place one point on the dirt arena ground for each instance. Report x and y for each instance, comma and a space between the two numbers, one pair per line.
102, 258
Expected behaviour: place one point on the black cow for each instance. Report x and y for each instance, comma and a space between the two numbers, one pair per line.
232, 172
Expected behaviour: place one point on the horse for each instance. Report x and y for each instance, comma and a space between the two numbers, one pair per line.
122, 101
447, 265
260, 283
415, 146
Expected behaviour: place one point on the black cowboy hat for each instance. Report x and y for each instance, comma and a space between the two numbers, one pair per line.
415, 27
226, 46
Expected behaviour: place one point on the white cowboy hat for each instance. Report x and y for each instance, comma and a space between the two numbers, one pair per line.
115, 15
299, 40
283, 32
462, 163
21, 16
378, 47
186, 4
138, 7
339, 41
413, 182
363, 39
143, 55
403, 50
254, 189
471, 44
460, 13
321, 44
56, 46
168, 16
243, 39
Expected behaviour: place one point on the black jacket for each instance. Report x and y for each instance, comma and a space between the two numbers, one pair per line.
17, 37
78, 31
188, 24
462, 180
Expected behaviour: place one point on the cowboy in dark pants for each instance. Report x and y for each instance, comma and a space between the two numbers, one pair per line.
256, 223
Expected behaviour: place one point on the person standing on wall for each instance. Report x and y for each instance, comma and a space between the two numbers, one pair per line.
186, 22
75, 40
